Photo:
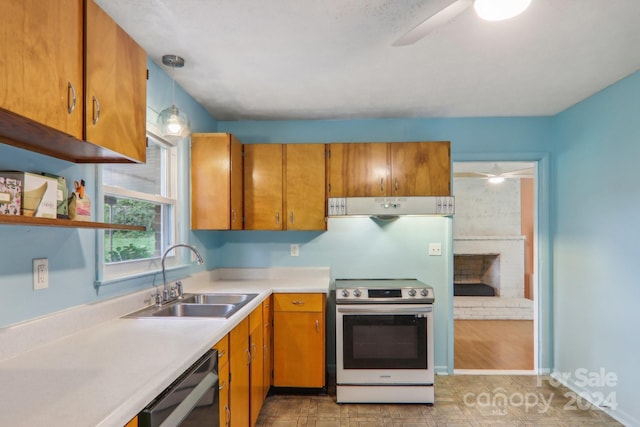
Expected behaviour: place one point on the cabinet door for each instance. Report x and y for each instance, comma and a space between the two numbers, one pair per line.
216, 175
225, 410
299, 351
239, 371
237, 187
115, 86
299, 340
358, 170
420, 169
263, 187
305, 197
41, 62
257, 371
267, 337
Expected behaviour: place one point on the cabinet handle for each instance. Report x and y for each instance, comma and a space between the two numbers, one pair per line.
297, 302
396, 184
96, 110
248, 357
291, 217
277, 217
221, 354
71, 98
254, 351
228, 412
233, 215
224, 384
381, 184
317, 327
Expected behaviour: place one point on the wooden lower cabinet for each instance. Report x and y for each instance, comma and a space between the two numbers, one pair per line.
239, 362
256, 374
223, 373
299, 340
267, 336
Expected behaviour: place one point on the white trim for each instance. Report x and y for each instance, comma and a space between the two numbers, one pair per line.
493, 372
131, 194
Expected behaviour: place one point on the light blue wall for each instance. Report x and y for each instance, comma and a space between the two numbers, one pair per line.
356, 248
71, 252
471, 139
596, 241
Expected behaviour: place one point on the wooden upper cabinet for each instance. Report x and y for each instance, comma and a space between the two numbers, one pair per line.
115, 86
420, 169
304, 201
389, 169
284, 187
41, 62
216, 182
358, 170
263, 187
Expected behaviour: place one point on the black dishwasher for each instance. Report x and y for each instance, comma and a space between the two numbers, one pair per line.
191, 400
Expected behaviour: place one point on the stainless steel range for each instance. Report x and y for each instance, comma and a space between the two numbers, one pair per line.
384, 341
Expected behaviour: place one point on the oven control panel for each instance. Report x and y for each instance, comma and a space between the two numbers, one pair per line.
385, 295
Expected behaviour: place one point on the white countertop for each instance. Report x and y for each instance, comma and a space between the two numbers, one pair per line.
105, 374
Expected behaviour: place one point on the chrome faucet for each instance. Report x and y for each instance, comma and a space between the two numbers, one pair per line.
166, 292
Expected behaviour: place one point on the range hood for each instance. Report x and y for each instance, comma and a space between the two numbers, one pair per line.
385, 207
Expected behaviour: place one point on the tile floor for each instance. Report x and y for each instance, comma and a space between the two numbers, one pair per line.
461, 400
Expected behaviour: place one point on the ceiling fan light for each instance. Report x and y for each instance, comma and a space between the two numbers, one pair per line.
496, 179
498, 10
173, 124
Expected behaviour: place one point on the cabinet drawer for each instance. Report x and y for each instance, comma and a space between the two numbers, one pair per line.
223, 350
298, 302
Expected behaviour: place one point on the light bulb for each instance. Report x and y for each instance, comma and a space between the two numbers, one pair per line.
496, 179
498, 10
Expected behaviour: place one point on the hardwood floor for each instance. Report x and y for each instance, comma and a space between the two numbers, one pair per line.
493, 344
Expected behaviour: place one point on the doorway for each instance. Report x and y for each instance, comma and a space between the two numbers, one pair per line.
494, 259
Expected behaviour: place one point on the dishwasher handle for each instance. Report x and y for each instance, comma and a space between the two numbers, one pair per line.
190, 401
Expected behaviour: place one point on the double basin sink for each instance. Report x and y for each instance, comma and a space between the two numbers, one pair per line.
218, 305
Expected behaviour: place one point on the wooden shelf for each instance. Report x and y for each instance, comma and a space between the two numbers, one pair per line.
48, 222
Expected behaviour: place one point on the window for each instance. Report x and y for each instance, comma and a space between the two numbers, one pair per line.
139, 194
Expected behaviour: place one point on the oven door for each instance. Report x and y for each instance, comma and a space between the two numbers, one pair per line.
384, 344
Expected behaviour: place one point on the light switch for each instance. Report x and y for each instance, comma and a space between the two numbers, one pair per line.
295, 249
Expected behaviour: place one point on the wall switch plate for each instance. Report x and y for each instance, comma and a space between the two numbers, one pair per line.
435, 249
40, 273
295, 249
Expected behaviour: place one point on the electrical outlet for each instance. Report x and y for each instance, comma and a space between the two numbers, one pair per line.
295, 249
40, 273
435, 249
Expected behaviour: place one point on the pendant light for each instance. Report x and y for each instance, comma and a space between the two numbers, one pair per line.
173, 123
498, 10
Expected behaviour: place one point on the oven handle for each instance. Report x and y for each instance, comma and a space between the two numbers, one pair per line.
384, 310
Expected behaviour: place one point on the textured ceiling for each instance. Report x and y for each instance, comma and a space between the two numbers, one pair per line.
333, 59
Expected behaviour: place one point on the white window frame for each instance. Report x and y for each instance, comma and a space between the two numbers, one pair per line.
118, 271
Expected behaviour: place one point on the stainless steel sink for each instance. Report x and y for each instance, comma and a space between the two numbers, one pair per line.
236, 299
197, 310
217, 305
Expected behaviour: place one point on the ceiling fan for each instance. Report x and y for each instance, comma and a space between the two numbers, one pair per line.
496, 175
491, 10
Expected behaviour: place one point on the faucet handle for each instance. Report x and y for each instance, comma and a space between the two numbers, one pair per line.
158, 298
179, 289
